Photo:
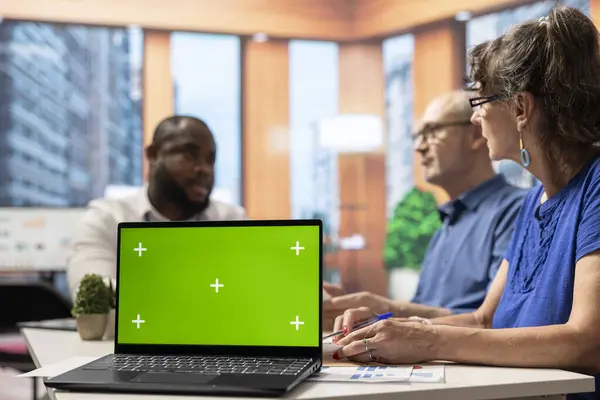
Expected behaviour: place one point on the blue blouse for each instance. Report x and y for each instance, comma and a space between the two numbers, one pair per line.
547, 242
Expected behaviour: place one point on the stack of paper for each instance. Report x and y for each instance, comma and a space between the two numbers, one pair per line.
344, 371
428, 374
365, 374
380, 373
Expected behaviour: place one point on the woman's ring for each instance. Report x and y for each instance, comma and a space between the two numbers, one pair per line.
367, 350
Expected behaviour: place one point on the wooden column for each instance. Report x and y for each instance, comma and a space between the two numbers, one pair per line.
595, 11
265, 120
439, 67
157, 84
362, 186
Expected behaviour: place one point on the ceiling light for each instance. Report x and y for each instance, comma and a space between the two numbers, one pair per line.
463, 16
260, 37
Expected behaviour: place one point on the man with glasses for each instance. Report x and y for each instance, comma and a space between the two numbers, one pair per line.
465, 253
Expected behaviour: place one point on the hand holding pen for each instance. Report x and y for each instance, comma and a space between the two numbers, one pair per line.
376, 318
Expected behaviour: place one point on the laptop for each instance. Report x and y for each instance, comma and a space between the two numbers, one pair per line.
212, 307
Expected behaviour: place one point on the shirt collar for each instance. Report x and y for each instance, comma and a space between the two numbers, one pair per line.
470, 199
147, 212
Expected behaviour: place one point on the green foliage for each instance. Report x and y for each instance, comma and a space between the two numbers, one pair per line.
93, 296
410, 229
111, 295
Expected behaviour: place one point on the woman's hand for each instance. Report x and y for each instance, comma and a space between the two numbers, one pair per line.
391, 341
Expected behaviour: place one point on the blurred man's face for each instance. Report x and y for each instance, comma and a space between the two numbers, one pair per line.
443, 143
183, 168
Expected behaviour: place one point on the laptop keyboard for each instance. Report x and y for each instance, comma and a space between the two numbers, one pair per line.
202, 364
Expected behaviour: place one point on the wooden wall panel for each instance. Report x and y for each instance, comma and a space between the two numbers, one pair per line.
439, 66
344, 20
157, 84
380, 18
595, 11
362, 82
363, 212
265, 110
362, 176
331, 19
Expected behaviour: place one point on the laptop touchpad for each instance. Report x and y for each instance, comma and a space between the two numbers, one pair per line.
185, 378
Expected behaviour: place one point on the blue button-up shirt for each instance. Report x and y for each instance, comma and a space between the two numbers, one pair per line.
465, 253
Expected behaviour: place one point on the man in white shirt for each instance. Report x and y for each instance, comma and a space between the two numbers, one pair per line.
181, 162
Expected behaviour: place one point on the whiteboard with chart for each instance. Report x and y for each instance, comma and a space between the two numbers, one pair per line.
36, 238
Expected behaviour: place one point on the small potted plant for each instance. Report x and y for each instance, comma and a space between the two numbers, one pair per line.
92, 304
109, 334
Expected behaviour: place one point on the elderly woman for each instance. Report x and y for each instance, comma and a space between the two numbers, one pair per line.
538, 102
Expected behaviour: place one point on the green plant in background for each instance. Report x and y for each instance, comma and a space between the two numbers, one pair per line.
112, 300
410, 229
93, 296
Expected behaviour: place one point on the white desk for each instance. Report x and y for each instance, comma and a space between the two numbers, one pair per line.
462, 382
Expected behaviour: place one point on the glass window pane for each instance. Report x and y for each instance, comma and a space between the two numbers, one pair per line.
70, 112
398, 62
207, 79
490, 26
314, 91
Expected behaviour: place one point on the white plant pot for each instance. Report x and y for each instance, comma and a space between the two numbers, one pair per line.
402, 283
91, 326
109, 333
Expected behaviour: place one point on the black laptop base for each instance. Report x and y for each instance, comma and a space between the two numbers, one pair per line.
179, 383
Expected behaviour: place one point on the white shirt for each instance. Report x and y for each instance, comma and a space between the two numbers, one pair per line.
94, 244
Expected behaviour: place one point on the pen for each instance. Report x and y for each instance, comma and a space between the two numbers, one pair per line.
368, 322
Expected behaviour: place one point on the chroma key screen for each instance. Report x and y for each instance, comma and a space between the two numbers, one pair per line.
232, 285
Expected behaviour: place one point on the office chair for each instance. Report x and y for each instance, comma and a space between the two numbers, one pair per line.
29, 301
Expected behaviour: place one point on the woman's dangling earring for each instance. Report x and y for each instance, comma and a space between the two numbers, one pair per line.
525, 157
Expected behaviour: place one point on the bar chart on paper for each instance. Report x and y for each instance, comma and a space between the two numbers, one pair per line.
381, 373
428, 374
364, 374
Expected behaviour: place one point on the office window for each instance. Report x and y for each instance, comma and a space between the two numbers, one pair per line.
489, 27
398, 63
207, 80
70, 116
313, 97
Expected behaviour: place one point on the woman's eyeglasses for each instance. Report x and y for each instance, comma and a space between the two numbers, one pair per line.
481, 100
429, 131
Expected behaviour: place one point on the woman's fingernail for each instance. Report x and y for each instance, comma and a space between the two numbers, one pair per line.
336, 356
345, 330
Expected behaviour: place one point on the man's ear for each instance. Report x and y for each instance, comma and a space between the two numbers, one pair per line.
151, 153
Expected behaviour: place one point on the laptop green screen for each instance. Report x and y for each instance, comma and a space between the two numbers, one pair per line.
219, 285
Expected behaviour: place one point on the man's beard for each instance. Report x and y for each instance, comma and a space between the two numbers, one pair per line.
173, 193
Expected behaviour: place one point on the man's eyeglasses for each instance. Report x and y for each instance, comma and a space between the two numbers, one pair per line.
429, 131
478, 101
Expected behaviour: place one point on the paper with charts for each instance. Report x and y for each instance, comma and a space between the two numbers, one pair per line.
367, 374
428, 374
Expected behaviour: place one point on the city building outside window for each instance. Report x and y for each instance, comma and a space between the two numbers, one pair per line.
70, 112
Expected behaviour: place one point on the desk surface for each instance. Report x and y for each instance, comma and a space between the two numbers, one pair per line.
462, 382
